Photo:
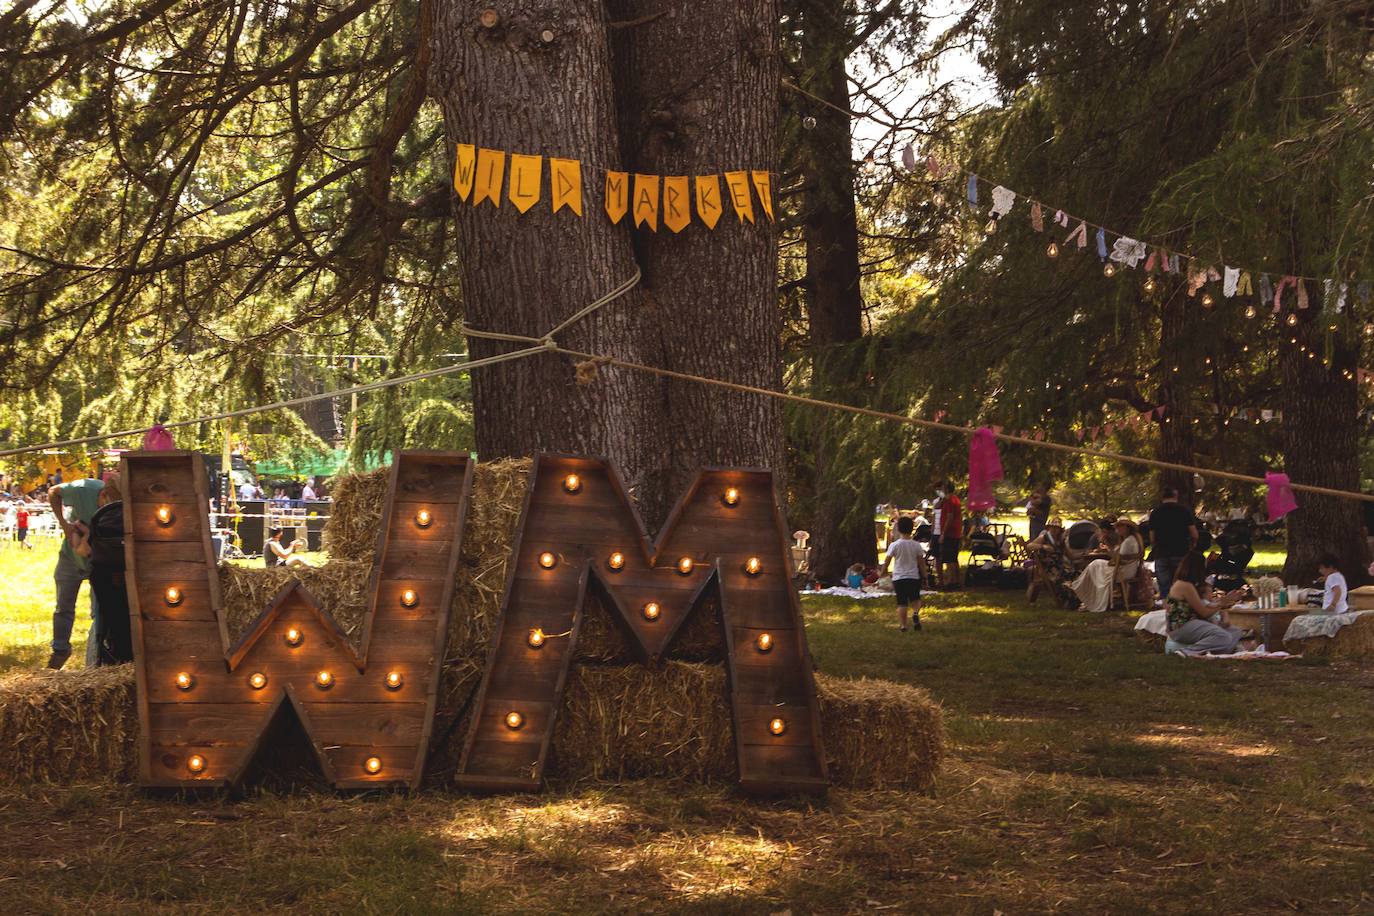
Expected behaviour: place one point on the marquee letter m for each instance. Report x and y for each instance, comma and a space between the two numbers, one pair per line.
578, 531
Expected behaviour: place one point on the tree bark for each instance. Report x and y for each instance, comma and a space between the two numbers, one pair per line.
504, 87
842, 521
698, 94
1176, 443
1321, 447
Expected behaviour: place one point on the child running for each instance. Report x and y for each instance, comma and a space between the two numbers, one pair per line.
21, 526
906, 557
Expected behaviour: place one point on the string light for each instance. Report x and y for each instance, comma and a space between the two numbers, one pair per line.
938, 199
394, 680
651, 610
572, 483
535, 638
777, 726
731, 496
1292, 319
423, 518
1206, 300
409, 598
1369, 330
373, 765
1052, 250
1250, 311
185, 681
616, 560
324, 680
172, 596
165, 516
195, 763
294, 636
1150, 285
991, 227
514, 720
548, 560
764, 643
257, 680
684, 565
752, 566
1109, 269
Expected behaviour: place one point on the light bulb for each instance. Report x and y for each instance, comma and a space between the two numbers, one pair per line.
752, 566
548, 560
423, 518
765, 642
1206, 300
938, 199
1052, 249
651, 610
616, 560
185, 681
535, 638
373, 765
195, 763
1250, 311
1292, 319
324, 680
409, 598
293, 636
394, 680
514, 719
1150, 285
777, 726
731, 496
1109, 269
173, 596
809, 122
991, 227
685, 565
572, 483
1369, 330
257, 680
165, 515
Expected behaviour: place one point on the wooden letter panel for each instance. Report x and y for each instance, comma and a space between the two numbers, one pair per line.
204, 705
578, 530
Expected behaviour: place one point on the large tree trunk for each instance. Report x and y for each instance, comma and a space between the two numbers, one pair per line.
1321, 447
842, 521
504, 87
698, 87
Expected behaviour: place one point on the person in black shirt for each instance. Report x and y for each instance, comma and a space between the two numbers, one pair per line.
1173, 532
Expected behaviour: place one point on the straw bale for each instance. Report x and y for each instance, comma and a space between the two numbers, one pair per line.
355, 515
1354, 642
341, 586
879, 734
69, 726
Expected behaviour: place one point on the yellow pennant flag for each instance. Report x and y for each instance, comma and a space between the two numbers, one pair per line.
709, 207
464, 169
565, 180
739, 195
677, 202
763, 183
617, 195
526, 180
491, 168
646, 201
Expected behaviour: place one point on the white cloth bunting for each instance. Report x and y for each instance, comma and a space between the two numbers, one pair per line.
1002, 201
1128, 251
1228, 286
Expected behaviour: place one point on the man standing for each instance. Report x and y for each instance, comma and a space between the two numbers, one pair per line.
951, 534
1038, 511
1173, 533
73, 504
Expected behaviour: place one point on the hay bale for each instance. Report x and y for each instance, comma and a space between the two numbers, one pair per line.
1354, 642
628, 722
355, 515
69, 726
341, 586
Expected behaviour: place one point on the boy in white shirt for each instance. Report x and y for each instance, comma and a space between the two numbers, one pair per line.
906, 557
1334, 598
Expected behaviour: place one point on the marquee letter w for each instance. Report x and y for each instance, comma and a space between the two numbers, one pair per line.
205, 704
579, 531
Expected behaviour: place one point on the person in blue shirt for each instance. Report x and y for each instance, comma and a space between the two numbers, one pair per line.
73, 504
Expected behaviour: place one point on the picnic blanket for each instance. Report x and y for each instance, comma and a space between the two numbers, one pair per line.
845, 592
1258, 654
1305, 626
1156, 622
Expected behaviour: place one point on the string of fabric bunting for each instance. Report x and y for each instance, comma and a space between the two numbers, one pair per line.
1116, 250
479, 174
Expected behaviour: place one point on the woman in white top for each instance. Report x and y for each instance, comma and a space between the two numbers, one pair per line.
1094, 586
1336, 592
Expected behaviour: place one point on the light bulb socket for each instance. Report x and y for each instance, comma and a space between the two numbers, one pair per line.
651, 611
548, 559
257, 680
324, 680
777, 726
616, 561
424, 518
394, 680
294, 637
514, 720
373, 765
572, 483
410, 598
195, 763
685, 566
173, 597
165, 516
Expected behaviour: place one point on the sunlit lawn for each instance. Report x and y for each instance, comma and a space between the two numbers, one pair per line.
1086, 775
26, 604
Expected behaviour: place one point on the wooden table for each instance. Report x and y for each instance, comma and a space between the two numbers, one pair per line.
1270, 623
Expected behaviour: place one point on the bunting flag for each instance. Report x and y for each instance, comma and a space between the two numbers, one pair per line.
1037, 217
1279, 498
1079, 236
984, 467
482, 175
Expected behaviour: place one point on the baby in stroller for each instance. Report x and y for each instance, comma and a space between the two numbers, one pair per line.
1234, 551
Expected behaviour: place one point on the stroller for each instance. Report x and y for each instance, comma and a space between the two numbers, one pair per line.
1235, 550
1080, 540
989, 547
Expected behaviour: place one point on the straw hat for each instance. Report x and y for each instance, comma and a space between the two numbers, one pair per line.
1055, 522
1127, 522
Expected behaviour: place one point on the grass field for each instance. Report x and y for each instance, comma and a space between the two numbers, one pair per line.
1086, 775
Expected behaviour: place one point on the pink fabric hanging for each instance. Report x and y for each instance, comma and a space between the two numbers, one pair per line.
984, 467
158, 439
1280, 497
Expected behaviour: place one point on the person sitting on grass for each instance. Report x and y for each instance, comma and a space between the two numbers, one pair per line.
1197, 626
906, 557
277, 555
1336, 592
